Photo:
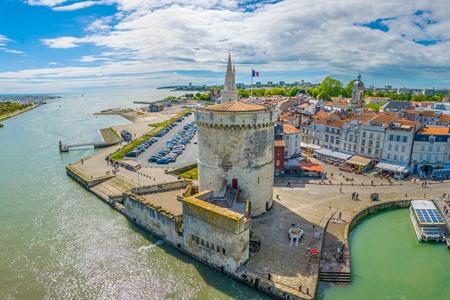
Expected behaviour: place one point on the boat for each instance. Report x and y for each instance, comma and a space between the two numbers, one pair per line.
427, 221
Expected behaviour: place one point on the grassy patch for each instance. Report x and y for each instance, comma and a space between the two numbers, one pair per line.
190, 174
9, 108
120, 154
109, 135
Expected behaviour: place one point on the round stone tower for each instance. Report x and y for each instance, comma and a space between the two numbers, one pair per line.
236, 149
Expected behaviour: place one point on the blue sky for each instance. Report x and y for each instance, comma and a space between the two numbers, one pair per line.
74, 45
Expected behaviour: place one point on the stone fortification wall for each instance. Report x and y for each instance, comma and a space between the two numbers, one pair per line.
237, 146
219, 238
154, 219
158, 188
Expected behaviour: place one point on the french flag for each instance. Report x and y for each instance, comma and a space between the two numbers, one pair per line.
255, 73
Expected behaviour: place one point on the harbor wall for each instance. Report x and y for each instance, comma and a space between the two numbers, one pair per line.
86, 182
374, 209
154, 219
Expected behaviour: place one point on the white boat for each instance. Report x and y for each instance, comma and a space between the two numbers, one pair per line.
426, 220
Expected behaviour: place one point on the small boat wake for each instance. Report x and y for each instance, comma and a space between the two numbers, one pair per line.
147, 248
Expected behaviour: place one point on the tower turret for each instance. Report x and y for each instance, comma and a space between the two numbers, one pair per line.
229, 92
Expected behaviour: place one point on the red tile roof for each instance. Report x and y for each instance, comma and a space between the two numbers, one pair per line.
235, 106
289, 129
434, 130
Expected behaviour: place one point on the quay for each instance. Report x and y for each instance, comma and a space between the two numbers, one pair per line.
443, 205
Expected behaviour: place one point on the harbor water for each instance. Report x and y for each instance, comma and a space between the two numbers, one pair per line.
58, 241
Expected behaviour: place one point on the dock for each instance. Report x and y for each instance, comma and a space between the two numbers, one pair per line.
440, 204
95, 144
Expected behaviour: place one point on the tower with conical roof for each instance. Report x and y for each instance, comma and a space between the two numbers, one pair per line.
229, 92
357, 93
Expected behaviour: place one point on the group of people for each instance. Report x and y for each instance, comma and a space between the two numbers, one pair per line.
355, 196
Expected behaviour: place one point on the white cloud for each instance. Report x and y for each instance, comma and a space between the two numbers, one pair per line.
3, 45
312, 35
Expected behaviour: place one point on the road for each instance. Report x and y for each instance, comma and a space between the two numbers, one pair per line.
189, 155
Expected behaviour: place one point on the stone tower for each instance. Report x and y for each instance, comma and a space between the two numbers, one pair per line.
358, 93
229, 92
236, 142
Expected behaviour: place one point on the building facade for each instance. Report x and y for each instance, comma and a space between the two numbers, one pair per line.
291, 136
430, 148
398, 142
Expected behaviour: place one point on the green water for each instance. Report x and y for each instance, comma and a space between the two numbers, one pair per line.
58, 241
389, 263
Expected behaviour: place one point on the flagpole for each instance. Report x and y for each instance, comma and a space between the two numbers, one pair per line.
251, 86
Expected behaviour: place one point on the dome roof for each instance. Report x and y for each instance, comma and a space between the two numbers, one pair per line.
235, 106
358, 83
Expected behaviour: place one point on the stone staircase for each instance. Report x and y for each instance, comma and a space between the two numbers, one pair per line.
335, 277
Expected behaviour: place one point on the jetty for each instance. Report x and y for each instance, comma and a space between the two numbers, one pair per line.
95, 144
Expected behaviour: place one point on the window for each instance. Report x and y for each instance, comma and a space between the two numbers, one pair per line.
395, 156
362, 149
326, 138
332, 139
376, 152
364, 134
390, 147
397, 138
363, 142
370, 143
223, 251
430, 148
369, 151
337, 141
403, 148
371, 135
405, 139
391, 137
396, 147
438, 148
378, 144
389, 156
338, 131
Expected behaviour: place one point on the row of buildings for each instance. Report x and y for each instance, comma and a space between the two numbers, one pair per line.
403, 135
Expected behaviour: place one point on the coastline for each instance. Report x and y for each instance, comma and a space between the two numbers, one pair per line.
16, 113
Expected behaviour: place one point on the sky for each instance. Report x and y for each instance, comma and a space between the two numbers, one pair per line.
83, 45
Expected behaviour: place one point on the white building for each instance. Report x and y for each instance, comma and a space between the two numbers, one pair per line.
372, 135
398, 142
430, 149
291, 136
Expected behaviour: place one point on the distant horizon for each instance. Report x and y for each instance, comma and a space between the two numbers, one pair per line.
75, 45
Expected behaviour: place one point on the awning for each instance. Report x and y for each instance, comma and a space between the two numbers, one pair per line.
311, 167
333, 154
309, 146
392, 167
359, 161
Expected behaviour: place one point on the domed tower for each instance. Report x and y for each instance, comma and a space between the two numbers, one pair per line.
358, 93
236, 142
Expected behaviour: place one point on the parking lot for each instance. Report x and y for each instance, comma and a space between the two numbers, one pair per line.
187, 157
